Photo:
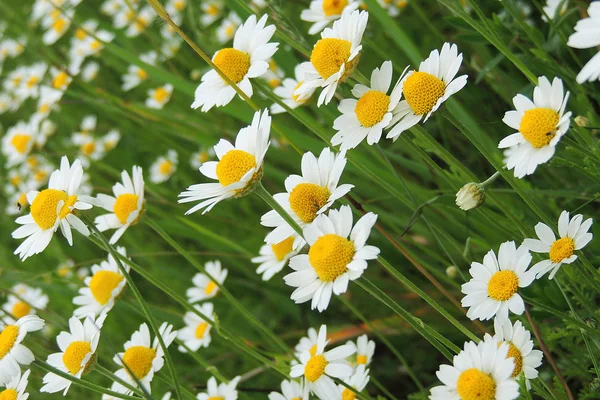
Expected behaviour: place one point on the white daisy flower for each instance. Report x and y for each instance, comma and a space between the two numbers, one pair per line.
18, 142
31, 81
551, 9
204, 288
170, 47
332, 260
286, 92
358, 381
136, 75
53, 208
211, 11
196, 333
307, 196
307, 343
274, 75
164, 167
585, 37
274, 257
77, 354
15, 387
480, 371
428, 88
89, 148
28, 302
573, 234
65, 269
102, 288
365, 349
290, 390
143, 357
334, 57
201, 156
12, 352
47, 102
140, 21
247, 59
61, 79
493, 288
167, 396
370, 113
318, 370
89, 72
228, 27
57, 23
324, 12
126, 207
540, 123
111, 139
238, 170
225, 391
158, 97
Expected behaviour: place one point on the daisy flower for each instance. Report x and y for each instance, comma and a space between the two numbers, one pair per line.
61, 79
238, 170
170, 47
332, 260
140, 22
480, 371
358, 381
225, 391
322, 12
89, 148
53, 208
228, 26
493, 288
307, 343
201, 156
196, 333
204, 287
365, 349
89, 72
12, 352
551, 9
586, 36
286, 92
56, 23
25, 301
428, 88
290, 390
164, 167
274, 75
334, 57
111, 139
18, 142
211, 11
273, 257
307, 196
15, 387
573, 234
102, 288
370, 113
157, 98
31, 82
247, 59
540, 124
47, 102
77, 354
126, 207
319, 368
136, 75
143, 357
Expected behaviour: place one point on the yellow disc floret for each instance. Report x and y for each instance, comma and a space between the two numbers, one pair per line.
8, 394
515, 353
20, 142
201, 330
21, 309
60, 80
283, 248
361, 359
334, 7
43, 209
165, 167
422, 90
103, 284
372, 107
74, 356
348, 394
538, 126
210, 288
125, 205
80, 33
330, 255
143, 75
329, 55
561, 249
474, 384
313, 350
59, 25
88, 148
67, 207
315, 368
306, 199
233, 63
503, 285
233, 166
216, 398
161, 94
139, 360
8, 338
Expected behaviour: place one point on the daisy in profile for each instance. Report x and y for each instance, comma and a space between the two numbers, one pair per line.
247, 59
111, 139
323, 12
25, 301
102, 288
425, 90
211, 11
307, 196
158, 97
365, 349
274, 257
204, 288
334, 57
225, 391
307, 343
143, 357
61, 79
18, 142
358, 381
585, 37
77, 354
15, 387
89, 71
574, 236
318, 369
196, 332
126, 206
238, 170
12, 353
140, 21
286, 92
56, 24
164, 167
136, 75
53, 208
370, 113
480, 371
201, 156
551, 9
47, 102
332, 260
540, 123
493, 288
229, 25
290, 390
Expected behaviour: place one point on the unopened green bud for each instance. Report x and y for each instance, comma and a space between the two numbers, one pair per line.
470, 196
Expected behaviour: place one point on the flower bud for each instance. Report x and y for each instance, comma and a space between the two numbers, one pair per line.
470, 196
452, 272
582, 121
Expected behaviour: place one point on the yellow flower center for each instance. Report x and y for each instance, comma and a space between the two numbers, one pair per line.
20, 142
283, 248
348, 394
23, 200
503, 285
102, 285
517, 356
216, 398
43, 109
63, 272
273, 83
161, 94
165, 167
125, 205
475, 385
8, 394
334, 7
95, 45
40, 175
74, 355
80, 34
561, 249
538, 126
421, 91
329, 55
143, 75
21, 309
306, 199
60, 80
179, 5
88, 148
330, 255
201, 330
15, 180
43, 209
16, 80
210, 288
371, 107
139, 360
360, 359
315, 368
313, 350
8, 337
55, 13
296, 97
59, 25
233, 166
32, 81
141, 24
212, 10
203, 156
233, 63
229, 30
401, 3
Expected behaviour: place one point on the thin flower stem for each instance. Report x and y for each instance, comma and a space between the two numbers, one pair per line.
268, 198
209, 368
490, 180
